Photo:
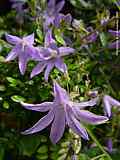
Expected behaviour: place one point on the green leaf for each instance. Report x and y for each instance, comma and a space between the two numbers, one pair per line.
2, 88
17, 98
2, 152
12, 81
6, 105
29, 144
59, 37
43, 149
42, 157
2, 59
40, 36
83, 156
103, 39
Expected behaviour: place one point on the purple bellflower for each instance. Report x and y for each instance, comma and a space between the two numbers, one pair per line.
115, 44
52, 15
109, 145
23, 49
51, 55
61, 112
109, 102
18, 5
93, 36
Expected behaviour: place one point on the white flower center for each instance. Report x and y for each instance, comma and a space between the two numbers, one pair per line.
53, 54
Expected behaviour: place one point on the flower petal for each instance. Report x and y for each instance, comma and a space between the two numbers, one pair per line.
57, 20
81, 105
30, 38
38, 69
48, 38
12, 39
50, 66
66, 51
60, 65
114, 45
74, 124
107, 106
68, 18
108, 103
59, 6
60, 93
88, 117
23, 59
43, 107
41, 124
51, 3
13, 53
58, 125
114, 33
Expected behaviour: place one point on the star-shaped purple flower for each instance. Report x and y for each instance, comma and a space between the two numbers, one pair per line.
109, 102
49, 56
23, 49
61, 112
52, 15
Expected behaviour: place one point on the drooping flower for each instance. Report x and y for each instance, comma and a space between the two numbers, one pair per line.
109, 102
61, 112
53, 16
109, 145
23, 49
18, 5
116, 43
51, 55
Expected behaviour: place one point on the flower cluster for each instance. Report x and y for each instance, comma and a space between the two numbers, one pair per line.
62, 111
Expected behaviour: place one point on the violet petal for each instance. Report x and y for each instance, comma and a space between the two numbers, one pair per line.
23, 59
37, 69
88, 117
66, 51
43, 107
81, 105
12, 39
29, 38
13, 54
50, 66
60, 65
41, 124
74, 124
59, 6
58, 125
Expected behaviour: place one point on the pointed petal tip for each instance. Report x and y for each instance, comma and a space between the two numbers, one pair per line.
31, 76
53, 141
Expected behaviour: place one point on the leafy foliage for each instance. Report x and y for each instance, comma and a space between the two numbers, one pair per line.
93, 67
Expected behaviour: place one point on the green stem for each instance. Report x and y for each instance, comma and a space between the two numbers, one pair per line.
98, 144
102, 155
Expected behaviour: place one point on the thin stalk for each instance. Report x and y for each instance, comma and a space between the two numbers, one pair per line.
102, 155
98, 143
